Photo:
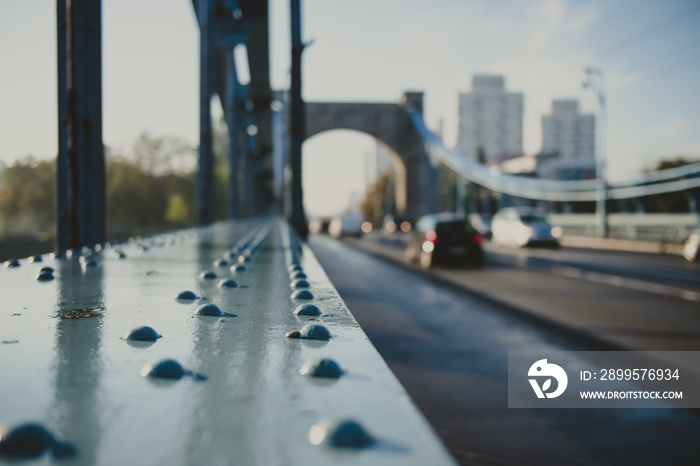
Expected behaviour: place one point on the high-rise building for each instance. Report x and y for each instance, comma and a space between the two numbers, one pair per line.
491, 119
567, 132
568, 142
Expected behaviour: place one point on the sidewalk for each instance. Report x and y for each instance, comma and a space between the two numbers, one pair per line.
650, 247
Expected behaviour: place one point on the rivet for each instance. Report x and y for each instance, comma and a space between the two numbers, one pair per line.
207, 275
144, 333
211, 310
338, 432
45, 276
166, 369
239, 268
186, 296
294, 268
229, 283
46, 269
307, 310
120, 254
300, 283
12, 263
321, 368
297, 274
58, 255
88, 261
242, 259
36, 258
314, 332
293, 334
221, 263
302, 294
31, 440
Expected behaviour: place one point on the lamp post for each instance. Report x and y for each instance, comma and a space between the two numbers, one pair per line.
595, 79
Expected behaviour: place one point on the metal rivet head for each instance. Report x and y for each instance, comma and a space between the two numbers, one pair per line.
28, 441
297, 274
210, 310
88, 261
239, 268
221, 263
166, 369
228, 283
45, 276
321, 368
186, 296
338, 432
144, 333
208, 275
294, 268
314, 332
46, 269
293, 334
12, 263
300, 283
307, 310
58, 255
302, 294
36, 258
243, 259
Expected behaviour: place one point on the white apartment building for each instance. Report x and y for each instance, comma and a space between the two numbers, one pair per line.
568, 138
488, 117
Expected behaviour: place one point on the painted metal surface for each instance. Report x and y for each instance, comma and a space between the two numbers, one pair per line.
80, 172
240, 398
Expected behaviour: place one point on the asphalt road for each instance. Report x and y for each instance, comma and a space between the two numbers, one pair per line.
449, 347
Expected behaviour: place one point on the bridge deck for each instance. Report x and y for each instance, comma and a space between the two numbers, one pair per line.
65, 365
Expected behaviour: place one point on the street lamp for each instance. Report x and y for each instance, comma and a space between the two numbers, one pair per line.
595, 79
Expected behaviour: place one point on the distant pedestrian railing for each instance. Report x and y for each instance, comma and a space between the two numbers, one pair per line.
669, 228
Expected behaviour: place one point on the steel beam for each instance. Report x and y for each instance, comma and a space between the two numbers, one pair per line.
80, 170
70, 361
204, 198
297, 130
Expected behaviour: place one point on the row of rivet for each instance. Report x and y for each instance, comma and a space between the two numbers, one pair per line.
332, 431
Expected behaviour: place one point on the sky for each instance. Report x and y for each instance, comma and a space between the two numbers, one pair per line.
373, 50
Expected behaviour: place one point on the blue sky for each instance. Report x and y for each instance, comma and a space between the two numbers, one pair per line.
374, 50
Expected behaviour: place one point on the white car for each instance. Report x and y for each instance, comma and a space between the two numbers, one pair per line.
692, 246
347, 224
523, 227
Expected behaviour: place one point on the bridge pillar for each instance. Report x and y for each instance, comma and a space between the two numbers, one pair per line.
204, 194
80, 167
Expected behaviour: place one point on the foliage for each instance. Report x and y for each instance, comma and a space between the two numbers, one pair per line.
677, 202
374, 203
27, 196
150, 188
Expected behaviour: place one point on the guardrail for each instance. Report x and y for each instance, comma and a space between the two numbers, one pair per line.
672, 228
220, 345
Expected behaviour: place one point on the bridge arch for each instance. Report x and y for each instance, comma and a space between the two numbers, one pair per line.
389, 123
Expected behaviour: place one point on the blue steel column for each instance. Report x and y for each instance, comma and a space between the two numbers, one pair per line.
205, 171
62, 187
298, 218
80, 169
233, 147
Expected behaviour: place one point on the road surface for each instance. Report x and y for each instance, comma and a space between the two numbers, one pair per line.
449, 350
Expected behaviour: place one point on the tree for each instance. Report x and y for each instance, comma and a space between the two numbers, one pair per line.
27, 195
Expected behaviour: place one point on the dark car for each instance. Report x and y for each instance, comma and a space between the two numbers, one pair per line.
443, 239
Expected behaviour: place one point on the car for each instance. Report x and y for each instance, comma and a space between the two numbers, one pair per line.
692, 246
521, 226
319, 225
482, 223
347, 224
442, 239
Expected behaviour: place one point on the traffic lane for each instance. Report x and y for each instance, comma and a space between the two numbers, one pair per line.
659, 268
449, 350
641, 318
